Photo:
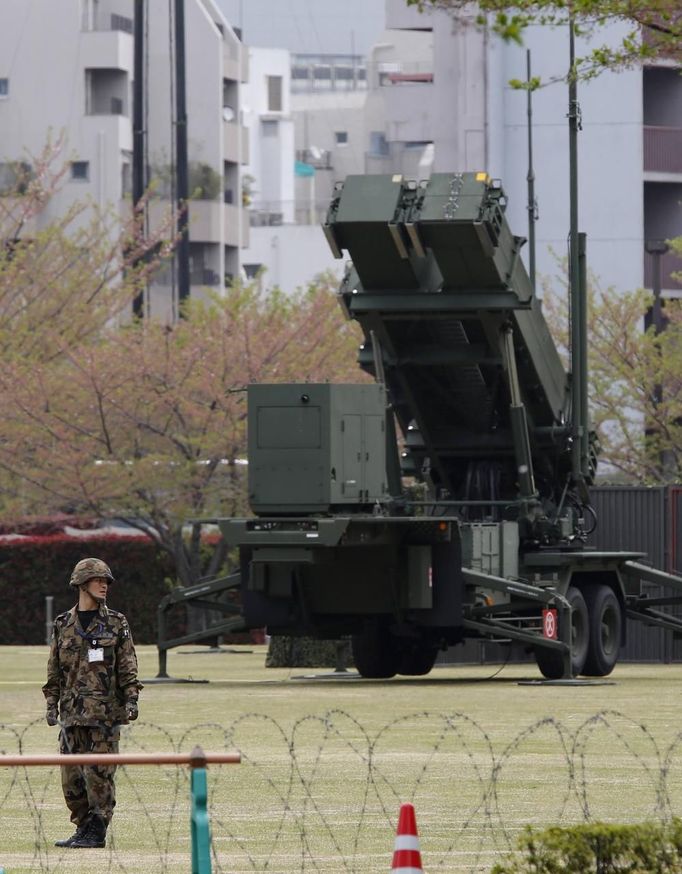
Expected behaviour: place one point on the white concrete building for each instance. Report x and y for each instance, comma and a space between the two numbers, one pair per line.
630, 174
438, 98
286, 243
218, 145
267, 116
68, 67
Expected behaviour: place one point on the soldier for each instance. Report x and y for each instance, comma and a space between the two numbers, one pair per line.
91, 690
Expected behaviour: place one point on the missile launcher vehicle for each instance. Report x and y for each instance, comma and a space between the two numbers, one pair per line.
447, 499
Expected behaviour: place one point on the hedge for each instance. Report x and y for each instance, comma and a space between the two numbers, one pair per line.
35, 565
307, 652
599, 848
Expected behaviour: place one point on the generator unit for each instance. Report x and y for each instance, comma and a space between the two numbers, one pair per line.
316, 448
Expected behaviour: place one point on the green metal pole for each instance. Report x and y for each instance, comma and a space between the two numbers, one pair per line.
530, 178
162, 636
584, 368
200, 826
578, 340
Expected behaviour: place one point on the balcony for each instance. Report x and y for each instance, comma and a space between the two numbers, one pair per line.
233, 150
670, 263
663, 149
204, 221
273, 213
203, 276
107, 49
320, 159
232, 69
236, 226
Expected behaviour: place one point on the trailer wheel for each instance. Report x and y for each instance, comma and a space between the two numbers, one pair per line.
374, 652
417, 660
551, 663
606, 621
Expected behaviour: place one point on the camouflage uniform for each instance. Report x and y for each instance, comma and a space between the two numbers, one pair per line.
92, 697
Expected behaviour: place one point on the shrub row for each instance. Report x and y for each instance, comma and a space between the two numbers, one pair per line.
598, 848
34, 566
307, 652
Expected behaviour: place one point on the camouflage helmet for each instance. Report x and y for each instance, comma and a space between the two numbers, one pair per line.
87, 568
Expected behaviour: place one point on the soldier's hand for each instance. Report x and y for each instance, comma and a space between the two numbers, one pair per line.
131, 710
51, 716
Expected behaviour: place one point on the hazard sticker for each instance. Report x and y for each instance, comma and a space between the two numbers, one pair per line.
549, 624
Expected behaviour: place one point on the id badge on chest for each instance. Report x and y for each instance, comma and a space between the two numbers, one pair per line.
95, 654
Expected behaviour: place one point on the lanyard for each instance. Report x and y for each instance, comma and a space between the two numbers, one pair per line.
91, 639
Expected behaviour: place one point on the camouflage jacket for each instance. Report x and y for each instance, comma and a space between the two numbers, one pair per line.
92, 692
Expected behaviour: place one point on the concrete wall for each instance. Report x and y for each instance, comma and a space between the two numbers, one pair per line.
292, 255
48, 98
271, 134
609, 158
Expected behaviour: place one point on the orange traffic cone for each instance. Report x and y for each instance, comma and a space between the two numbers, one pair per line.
406, 856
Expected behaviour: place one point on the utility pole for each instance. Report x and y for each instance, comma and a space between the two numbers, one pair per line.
139, 133
577, 274
181, 161
530, 178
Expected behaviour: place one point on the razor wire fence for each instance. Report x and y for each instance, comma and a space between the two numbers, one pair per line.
323, 793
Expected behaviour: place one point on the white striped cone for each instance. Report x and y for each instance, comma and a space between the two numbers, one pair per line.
406, 856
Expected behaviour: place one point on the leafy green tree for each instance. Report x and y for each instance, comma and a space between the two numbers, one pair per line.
64, 281
653, 28
635, 389
148, 423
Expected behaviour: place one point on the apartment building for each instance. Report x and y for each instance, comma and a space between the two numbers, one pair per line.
437, 98
286, 246
66, 69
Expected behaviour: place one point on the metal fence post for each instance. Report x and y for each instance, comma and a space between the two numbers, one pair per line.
49, 618
201, 834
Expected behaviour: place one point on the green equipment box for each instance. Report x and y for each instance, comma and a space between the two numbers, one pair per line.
316, 447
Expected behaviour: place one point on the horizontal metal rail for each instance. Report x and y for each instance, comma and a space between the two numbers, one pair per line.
655, 617
652, 575
544, 594
214, 630
196, 759
196, 596
497, 627
210, 587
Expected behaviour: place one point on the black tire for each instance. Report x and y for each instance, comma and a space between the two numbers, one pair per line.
606, 624
417, 659
551, 663
374, 652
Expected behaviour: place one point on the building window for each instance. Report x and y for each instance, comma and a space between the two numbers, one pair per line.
341, 137
378, 146
269, 128
4, 87
274, 93
80, 171
252, 270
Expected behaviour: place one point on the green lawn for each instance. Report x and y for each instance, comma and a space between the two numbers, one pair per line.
326, 764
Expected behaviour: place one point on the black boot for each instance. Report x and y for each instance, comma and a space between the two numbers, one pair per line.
94, 835
77, 835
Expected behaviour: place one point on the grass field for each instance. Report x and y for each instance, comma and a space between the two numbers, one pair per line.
327, 762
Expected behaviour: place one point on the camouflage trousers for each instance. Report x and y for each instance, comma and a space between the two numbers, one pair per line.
88, 789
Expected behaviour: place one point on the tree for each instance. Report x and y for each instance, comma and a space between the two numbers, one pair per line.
653, 27
148, 423
62, 282
635, 389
